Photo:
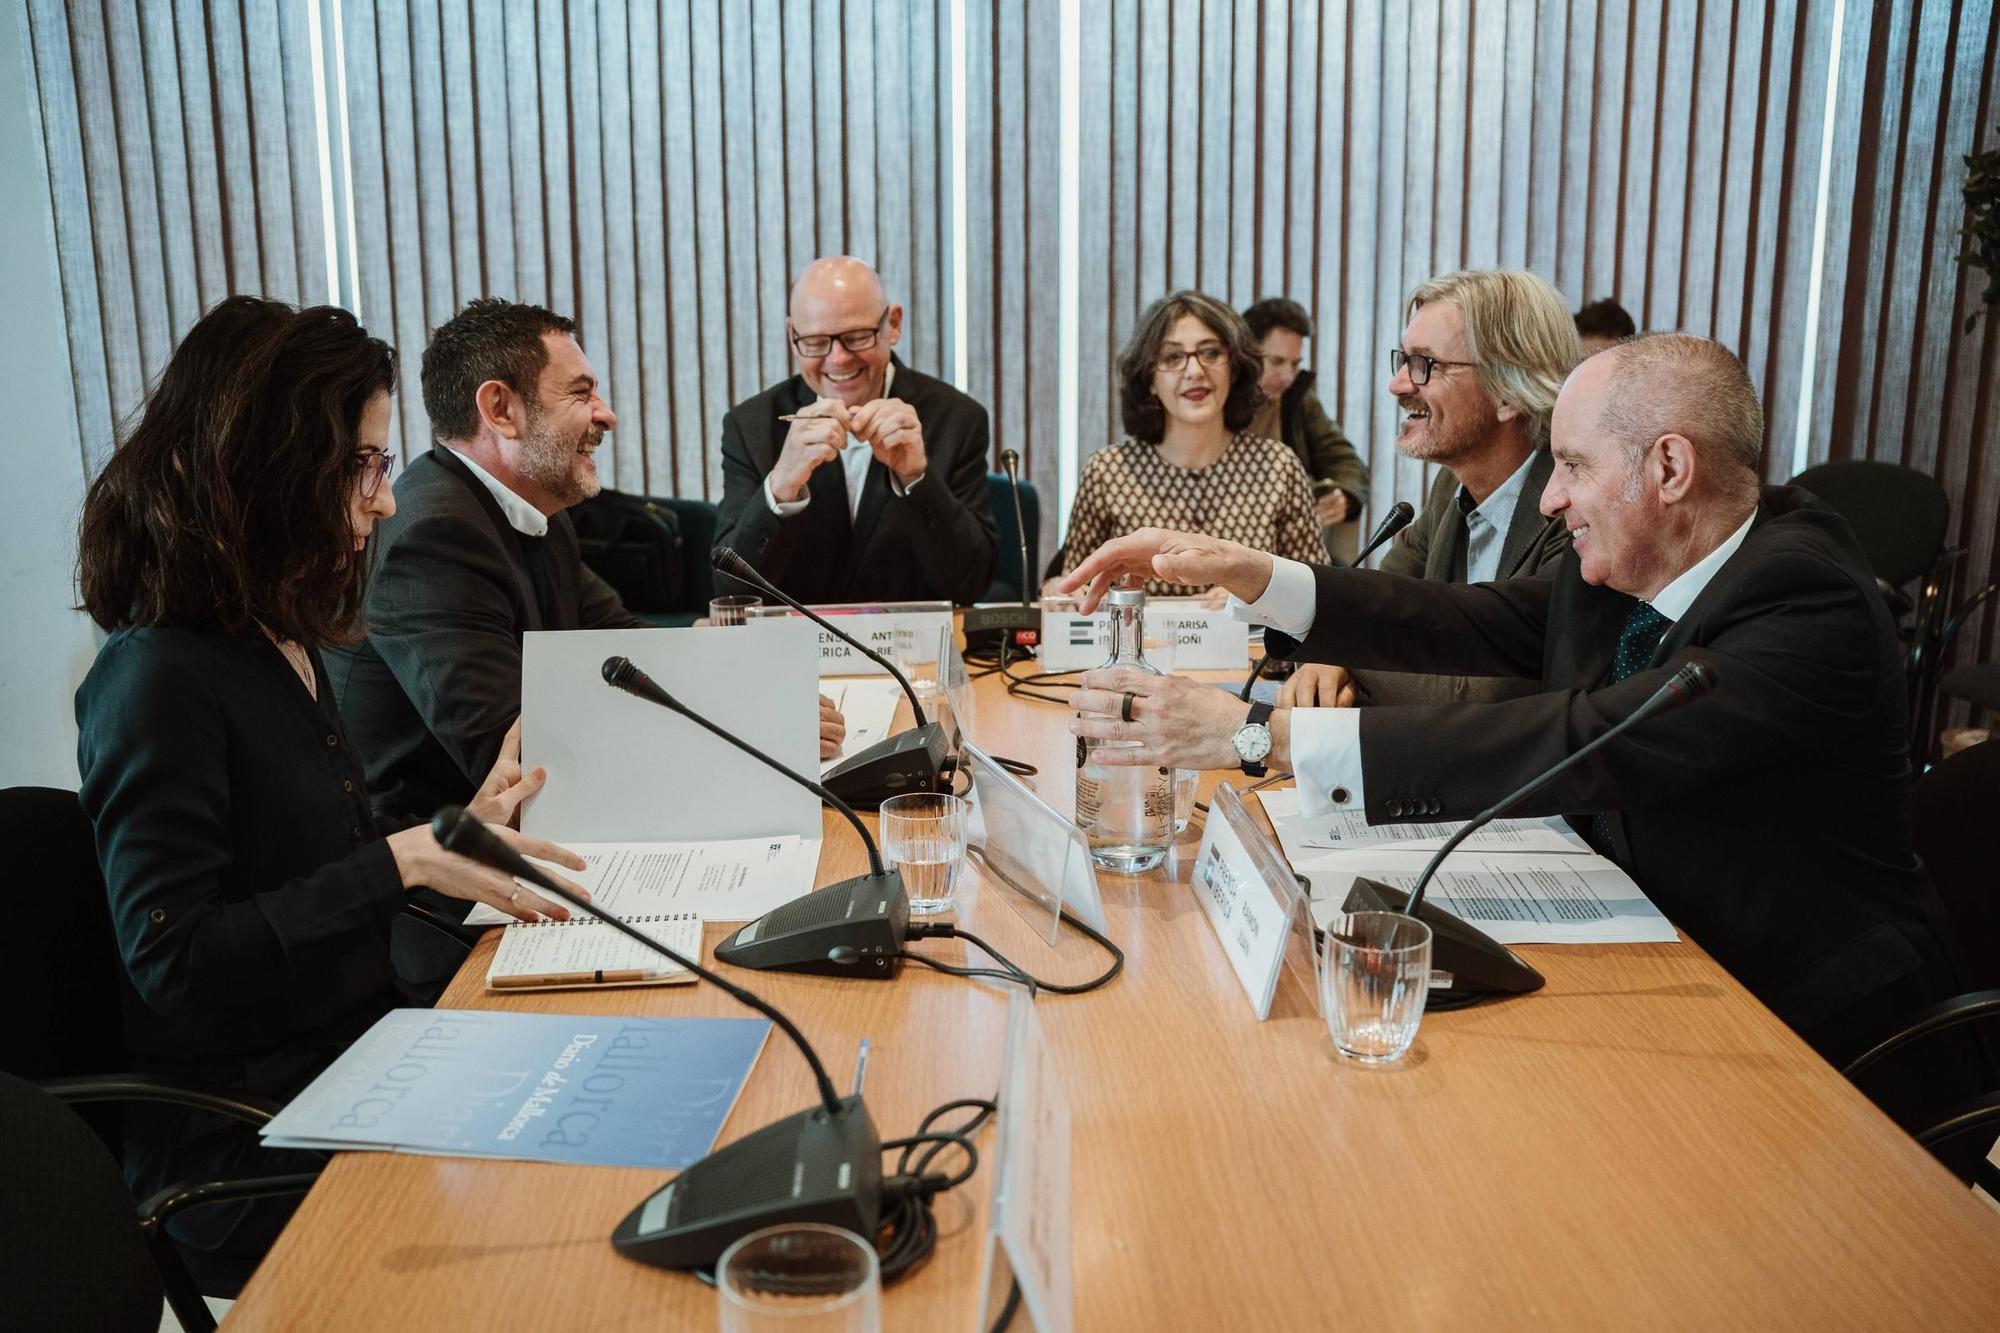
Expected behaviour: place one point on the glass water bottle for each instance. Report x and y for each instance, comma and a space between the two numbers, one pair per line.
1126, 811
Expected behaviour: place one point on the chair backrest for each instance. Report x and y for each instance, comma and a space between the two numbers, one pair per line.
698, 519
71, 980
1007, 584
1951, 822
1899, 514
71, 1255
635, 544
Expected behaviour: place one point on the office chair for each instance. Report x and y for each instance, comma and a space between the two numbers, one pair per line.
1008, 575
1899, 515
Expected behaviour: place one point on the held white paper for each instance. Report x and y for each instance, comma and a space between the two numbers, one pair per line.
1248, 895
717, 881
625, 770
868, 703
1345, 829
1028, 1237
1206, 638
1516, 899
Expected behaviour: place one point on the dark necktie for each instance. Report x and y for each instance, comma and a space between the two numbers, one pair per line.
1644, 628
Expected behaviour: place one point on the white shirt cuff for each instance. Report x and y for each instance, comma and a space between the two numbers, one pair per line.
1326, 759
1289, 601
788, 508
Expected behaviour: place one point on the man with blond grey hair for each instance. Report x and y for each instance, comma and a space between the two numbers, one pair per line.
1768, 820
1483, 356
905, 515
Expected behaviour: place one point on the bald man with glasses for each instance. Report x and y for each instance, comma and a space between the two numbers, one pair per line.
857, 478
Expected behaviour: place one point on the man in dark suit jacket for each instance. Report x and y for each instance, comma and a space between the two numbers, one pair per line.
903, 515
477, 553
1769, 820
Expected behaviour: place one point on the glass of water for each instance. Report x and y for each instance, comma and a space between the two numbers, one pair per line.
731, 610
1185, 782
923, 838
919, 652
803, 1278
1373, 987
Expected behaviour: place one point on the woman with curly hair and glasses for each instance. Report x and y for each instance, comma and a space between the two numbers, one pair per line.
1187, 391
222, 547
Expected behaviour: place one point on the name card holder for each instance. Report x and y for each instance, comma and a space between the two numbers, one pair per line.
1023, 845
1027, 1263
1250, 897
1206, 638
875, 624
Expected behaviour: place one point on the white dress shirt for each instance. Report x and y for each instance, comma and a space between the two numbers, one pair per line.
523, 517
1326, 742
854, 460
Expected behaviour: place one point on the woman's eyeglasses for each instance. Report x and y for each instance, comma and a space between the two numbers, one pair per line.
374, 465
1173, 359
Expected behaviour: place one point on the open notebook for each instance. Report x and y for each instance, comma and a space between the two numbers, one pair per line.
583, 951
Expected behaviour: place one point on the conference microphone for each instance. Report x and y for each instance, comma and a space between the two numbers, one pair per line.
999, 627
909, 761
854, 928
821, 1165
1399, 517
1479, 965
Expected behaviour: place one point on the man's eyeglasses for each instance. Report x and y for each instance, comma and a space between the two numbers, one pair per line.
854, 340
1174, 358
1420, 366
374, 465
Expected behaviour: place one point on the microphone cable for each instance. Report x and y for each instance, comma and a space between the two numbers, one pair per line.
1009, 970
907, 1232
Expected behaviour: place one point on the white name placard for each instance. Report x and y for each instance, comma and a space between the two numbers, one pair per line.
1206, 638
1028, 1238
876, 625
1248, 894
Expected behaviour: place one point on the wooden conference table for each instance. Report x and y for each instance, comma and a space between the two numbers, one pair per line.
1639, 1145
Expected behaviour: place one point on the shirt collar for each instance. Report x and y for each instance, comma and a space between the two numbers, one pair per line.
521, 516
1675, 599
1498, 508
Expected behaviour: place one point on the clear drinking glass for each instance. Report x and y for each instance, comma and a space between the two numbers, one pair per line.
923, 839
919, 653
1377, 976
801, 1278
731, 610
1185, 782
1160, 639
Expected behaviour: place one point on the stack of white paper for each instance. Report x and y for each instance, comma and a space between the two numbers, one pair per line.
1522, 881
868, 703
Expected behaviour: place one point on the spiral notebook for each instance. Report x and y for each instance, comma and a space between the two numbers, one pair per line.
583, 951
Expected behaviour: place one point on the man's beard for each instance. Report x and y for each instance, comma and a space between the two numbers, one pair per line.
550, 462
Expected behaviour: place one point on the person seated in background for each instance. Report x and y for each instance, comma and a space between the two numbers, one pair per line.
1187, 390
1769, 819
1293, 416
1602, 323
1483, 356
479, 552
250, 891
905, 517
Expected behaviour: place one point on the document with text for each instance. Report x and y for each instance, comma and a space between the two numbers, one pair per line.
1344, 829
1515, 898
737, 880
868, 703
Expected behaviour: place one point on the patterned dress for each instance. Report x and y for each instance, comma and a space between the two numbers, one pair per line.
1256, 494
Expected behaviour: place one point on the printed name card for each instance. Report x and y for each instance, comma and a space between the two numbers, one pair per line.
875, 624
1205, 638
1028, 1238
1248, 894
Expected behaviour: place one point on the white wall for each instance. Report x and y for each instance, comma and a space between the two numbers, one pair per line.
45, 646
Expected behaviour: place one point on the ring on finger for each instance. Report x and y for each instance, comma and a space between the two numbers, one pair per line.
514, 897
1125, 710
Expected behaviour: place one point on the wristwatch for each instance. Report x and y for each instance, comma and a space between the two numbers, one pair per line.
1253, 739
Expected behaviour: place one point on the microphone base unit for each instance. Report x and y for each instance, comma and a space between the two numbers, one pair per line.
855, 928
986, 627
815, 1166
909, 761
1480, 966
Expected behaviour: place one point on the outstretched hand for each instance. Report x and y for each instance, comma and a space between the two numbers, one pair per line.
1177, 557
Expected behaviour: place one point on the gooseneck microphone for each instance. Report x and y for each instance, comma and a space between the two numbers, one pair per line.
909, 761
1010, 462
1399, 517
853, 928
820, 1165
1480, 966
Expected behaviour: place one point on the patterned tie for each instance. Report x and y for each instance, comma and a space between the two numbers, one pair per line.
1644, 628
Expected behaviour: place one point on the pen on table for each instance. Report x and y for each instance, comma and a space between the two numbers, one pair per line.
584, 978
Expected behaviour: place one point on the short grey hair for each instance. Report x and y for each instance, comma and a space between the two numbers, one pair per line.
1684, 384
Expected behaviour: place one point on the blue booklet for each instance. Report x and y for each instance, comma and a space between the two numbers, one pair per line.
586, 1089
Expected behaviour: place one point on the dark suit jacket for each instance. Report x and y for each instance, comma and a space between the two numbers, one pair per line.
1433, 547
1769, 820
431, 691
937, 542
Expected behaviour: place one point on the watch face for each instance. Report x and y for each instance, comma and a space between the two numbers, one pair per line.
1253, 742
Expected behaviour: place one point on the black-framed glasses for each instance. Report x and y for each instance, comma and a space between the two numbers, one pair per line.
854, 340
1420, 366
374, 465
1174, 358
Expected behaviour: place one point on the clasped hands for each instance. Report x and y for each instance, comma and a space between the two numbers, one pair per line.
819, 431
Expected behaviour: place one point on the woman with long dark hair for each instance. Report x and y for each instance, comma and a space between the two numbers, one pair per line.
252, 900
